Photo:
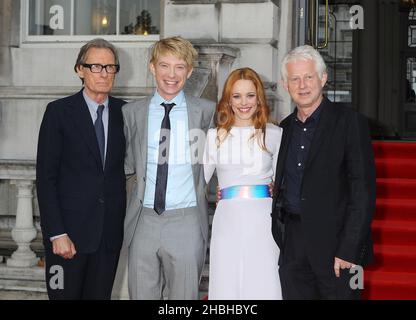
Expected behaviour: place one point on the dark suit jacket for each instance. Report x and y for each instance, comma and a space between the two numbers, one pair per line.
337, 190
76, 195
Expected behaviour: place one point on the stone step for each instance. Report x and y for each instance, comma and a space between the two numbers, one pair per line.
203, 285
204, 278
22, 279
22, 295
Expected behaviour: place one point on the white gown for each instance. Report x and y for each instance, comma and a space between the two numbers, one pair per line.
243, 253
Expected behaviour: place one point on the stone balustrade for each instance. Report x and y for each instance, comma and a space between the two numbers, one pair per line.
21, 270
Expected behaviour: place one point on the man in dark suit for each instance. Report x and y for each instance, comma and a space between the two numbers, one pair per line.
324, 193
80, 181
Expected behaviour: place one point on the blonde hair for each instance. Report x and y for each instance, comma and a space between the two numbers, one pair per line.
177, 46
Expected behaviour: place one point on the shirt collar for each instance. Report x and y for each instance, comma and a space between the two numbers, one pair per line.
92, 104
315, 115
158, 99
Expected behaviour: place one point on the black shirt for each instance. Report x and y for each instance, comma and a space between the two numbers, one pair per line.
299, 146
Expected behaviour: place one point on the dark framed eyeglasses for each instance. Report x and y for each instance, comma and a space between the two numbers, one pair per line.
97, 68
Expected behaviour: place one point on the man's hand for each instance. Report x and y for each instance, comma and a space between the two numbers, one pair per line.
341, 264
271, 185
64, 247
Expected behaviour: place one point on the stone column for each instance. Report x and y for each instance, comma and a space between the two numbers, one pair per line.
24, 231
217, 59
10, 27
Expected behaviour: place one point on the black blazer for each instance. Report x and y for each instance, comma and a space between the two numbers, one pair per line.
338, 189
76, 195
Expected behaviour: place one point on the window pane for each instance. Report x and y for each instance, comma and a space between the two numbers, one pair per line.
412, 36
95, 17
411, 80
139, 17
412, 14
49, 17
338, 55
321, 23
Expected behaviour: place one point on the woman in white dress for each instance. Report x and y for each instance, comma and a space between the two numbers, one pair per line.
243, 149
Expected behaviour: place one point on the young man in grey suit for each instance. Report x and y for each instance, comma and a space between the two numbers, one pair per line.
166, 227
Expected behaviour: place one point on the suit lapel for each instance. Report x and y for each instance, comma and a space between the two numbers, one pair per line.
142, 119
194, 112
82, 120
112, 123
194, 122
287, 134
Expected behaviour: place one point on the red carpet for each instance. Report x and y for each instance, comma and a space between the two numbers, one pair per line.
393, 274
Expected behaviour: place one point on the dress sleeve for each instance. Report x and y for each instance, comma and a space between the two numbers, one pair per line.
278, 140
210, 155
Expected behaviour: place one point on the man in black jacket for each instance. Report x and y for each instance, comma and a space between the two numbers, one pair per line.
324, 194
80, 181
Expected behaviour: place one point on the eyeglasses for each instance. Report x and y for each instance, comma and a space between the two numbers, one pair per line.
97, 68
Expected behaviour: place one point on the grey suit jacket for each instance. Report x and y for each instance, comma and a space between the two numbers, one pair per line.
135, 114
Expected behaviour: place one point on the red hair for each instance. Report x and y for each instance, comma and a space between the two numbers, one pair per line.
225, 114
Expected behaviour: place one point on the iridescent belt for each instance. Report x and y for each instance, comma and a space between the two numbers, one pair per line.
246, 192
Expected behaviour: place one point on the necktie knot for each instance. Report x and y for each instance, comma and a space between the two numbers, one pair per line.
168, 106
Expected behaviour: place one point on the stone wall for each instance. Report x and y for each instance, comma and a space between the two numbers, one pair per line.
260, 30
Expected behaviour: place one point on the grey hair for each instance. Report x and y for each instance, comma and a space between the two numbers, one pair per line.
303, 53
98, 43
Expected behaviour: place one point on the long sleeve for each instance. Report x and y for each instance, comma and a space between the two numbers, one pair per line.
49, 154
210, 155
129, 158
361, 179
277, 143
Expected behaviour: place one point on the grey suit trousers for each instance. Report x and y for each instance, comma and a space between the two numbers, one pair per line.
166, 255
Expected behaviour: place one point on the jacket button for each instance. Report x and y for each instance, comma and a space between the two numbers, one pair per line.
101, 200
303, 199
